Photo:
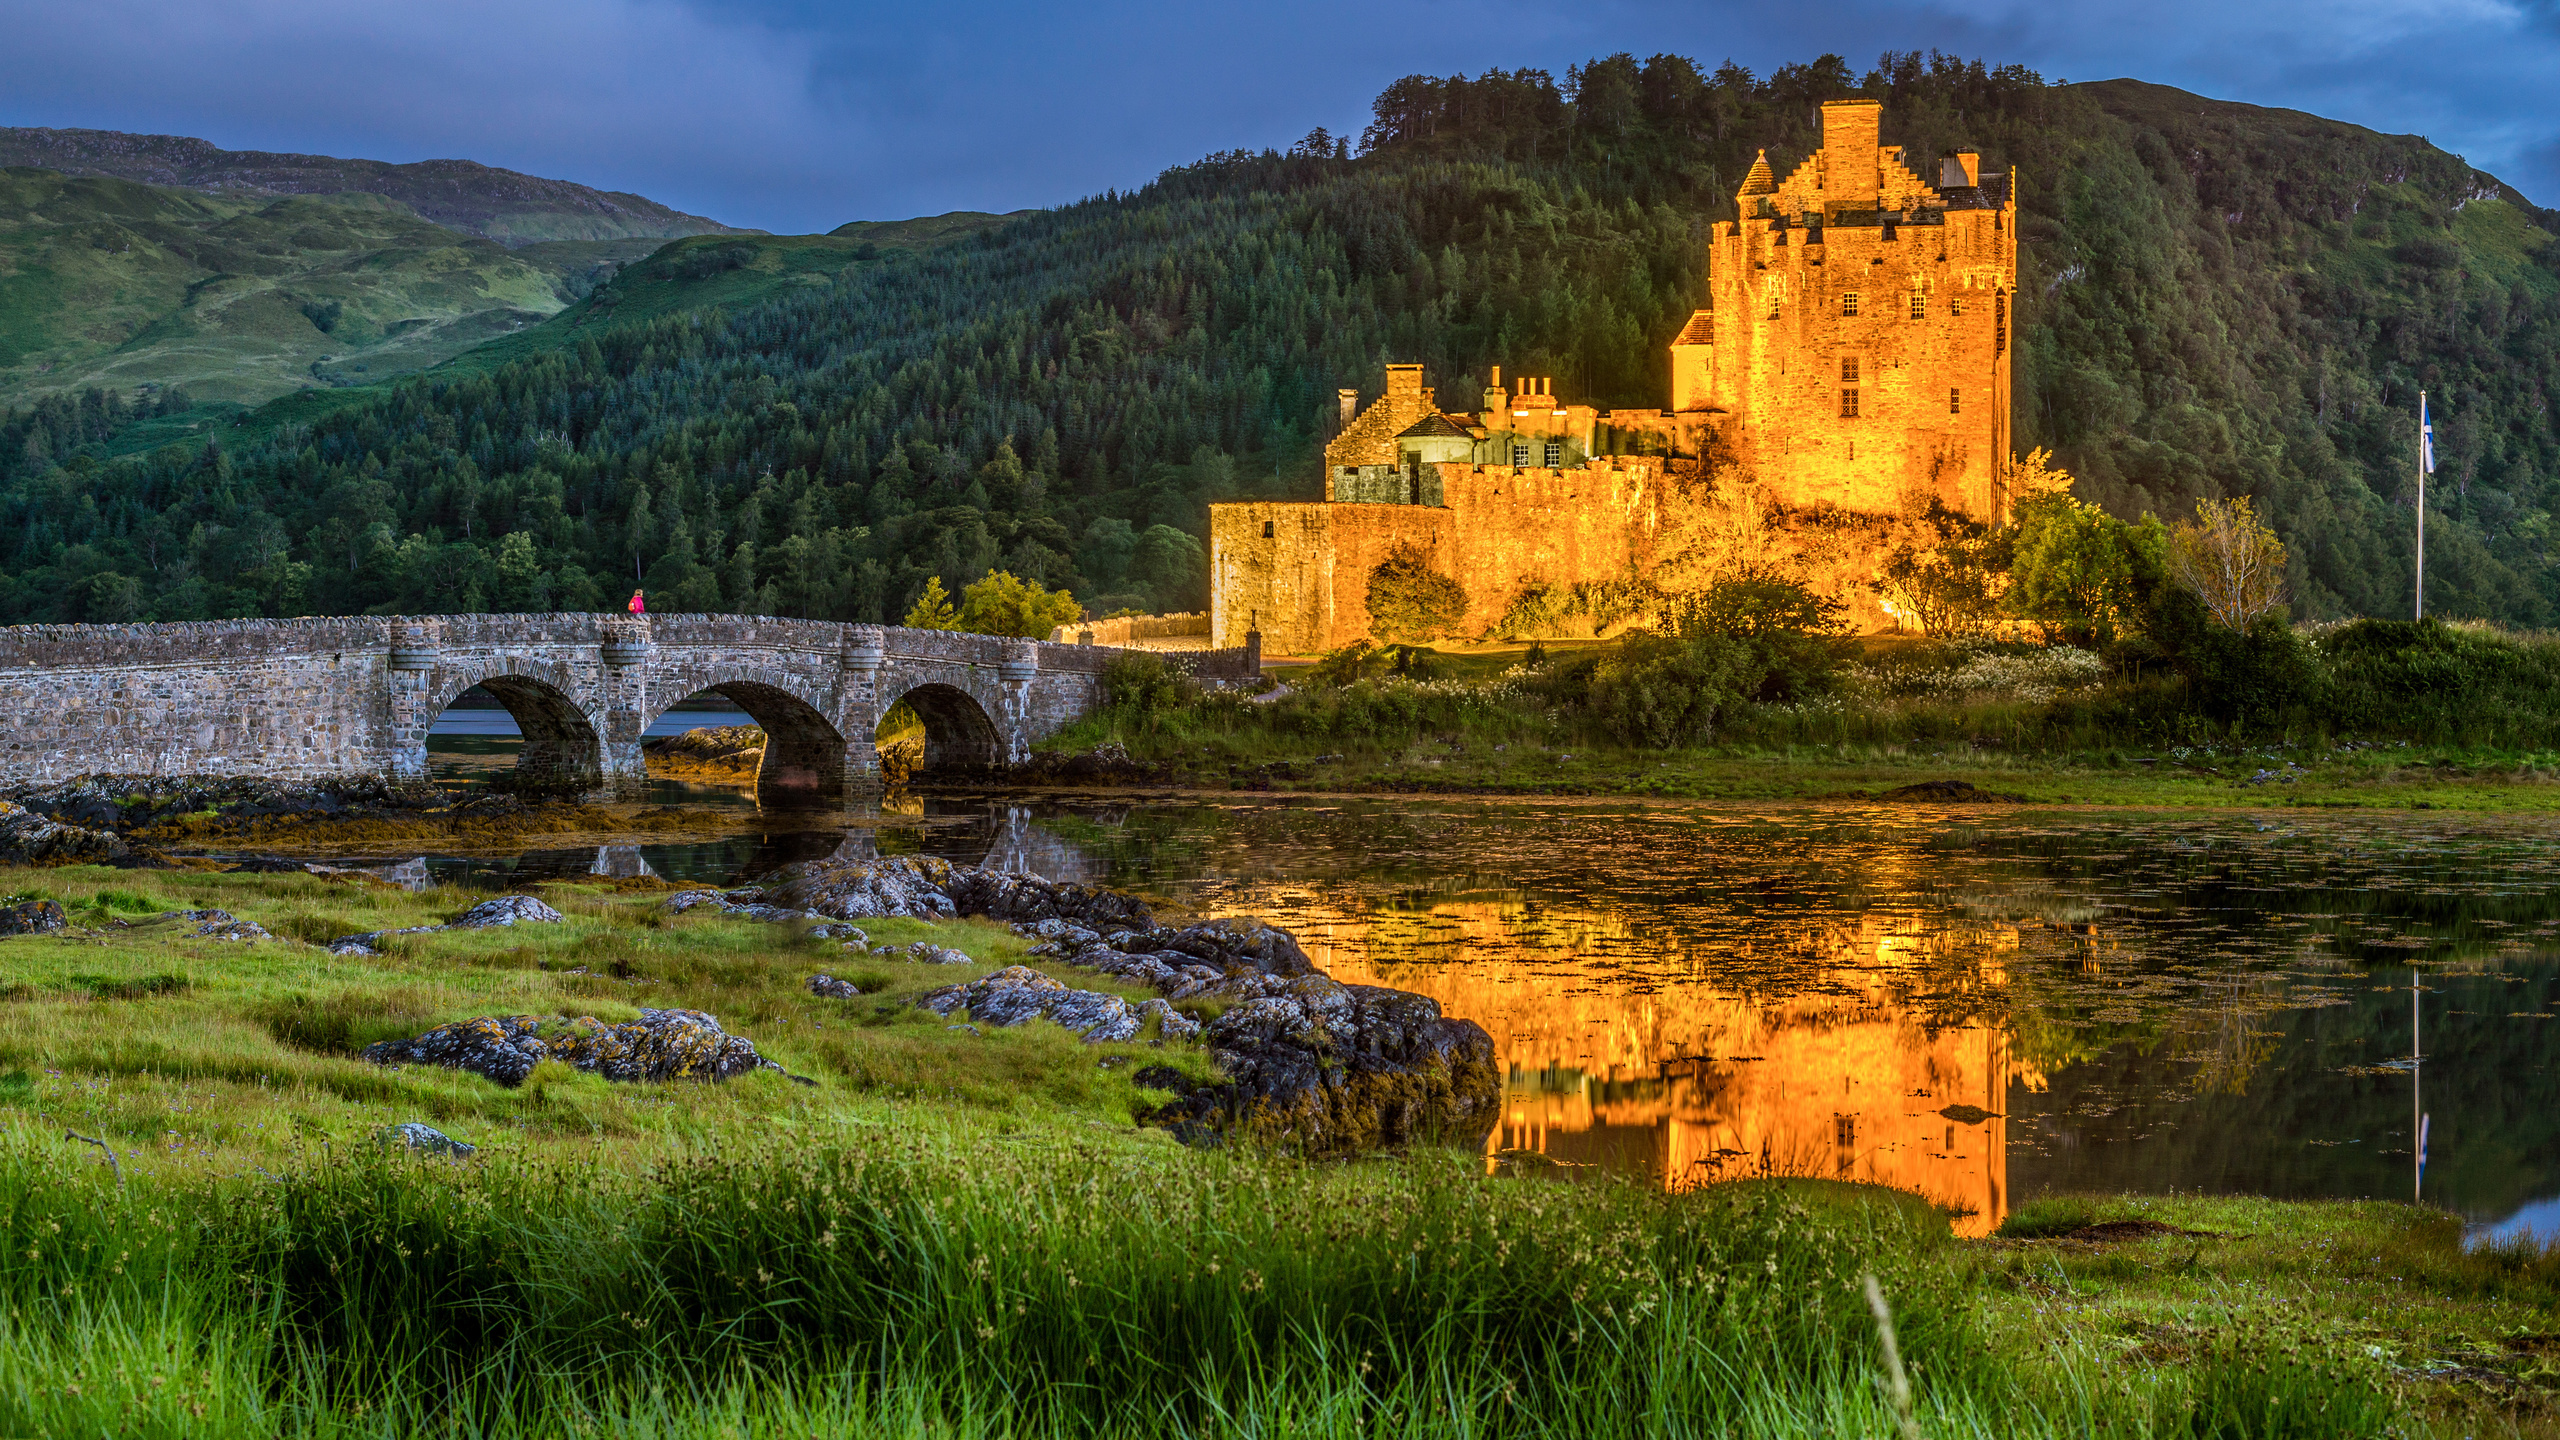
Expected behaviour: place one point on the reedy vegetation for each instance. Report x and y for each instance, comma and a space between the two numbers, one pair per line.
2219, 300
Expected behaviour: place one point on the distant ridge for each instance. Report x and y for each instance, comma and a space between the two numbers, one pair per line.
501, 205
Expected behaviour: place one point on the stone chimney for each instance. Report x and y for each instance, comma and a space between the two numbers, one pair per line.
1350, 399
1960, 170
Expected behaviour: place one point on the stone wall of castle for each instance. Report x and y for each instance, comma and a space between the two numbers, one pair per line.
1300, 571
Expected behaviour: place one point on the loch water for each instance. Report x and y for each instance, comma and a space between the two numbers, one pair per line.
1979, 1004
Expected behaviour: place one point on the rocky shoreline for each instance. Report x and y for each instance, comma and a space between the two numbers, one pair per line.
138, 821
1308, 1062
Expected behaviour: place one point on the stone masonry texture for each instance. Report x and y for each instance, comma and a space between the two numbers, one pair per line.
311, 698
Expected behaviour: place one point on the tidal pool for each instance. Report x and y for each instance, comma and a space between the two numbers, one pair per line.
1979, 1005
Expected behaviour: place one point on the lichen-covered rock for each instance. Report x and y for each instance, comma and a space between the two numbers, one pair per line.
506, 910
503, 1048
660, 1045
923, 952
31, 917
411, 1135
838, 930
833, 988
228, 929
1017, 995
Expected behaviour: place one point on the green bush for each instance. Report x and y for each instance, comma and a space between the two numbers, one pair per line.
2427, 678
1140, 690
1666, 691
1408, 600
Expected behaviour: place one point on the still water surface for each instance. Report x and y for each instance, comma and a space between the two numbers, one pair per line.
1978, 1006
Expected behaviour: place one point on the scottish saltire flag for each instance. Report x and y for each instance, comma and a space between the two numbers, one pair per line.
2426, 438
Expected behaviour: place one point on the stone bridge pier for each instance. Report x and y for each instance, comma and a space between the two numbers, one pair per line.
310, 698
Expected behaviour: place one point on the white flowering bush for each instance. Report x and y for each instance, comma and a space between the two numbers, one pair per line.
2036, 677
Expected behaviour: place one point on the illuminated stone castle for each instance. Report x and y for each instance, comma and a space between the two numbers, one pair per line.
1853, 362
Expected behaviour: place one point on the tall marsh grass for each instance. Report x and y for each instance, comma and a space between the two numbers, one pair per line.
950, 1284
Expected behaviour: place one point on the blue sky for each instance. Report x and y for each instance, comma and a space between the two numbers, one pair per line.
792, 116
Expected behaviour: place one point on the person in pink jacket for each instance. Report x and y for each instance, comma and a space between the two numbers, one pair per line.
638, 607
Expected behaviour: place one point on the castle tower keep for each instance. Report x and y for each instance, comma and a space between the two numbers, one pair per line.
1853, 359
1856, 348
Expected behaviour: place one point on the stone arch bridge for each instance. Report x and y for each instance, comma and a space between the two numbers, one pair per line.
304, 699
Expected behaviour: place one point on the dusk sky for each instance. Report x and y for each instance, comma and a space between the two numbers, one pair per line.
797, 116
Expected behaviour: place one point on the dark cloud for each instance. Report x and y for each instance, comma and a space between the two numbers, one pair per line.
796, 116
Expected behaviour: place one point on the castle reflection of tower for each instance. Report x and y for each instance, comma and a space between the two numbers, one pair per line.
1870, 1073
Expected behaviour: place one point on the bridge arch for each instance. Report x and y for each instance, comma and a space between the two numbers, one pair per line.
805, 762
959, 731
563, 745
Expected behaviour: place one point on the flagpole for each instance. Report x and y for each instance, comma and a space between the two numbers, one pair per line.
2422, 505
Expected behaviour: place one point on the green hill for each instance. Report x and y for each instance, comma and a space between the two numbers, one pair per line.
2218, 299
481, 200
129, 286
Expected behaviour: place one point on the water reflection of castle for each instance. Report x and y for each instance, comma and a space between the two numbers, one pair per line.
1878, 1071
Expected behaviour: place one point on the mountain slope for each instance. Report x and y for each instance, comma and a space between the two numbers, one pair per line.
500, 205
111, 283
2217, 299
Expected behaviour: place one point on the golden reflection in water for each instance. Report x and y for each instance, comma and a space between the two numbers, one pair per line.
1874, 1060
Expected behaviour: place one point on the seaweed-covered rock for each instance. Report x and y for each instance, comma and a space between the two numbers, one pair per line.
660, 1045
30, 838
128, 803
506, 910
31, 917
927, 888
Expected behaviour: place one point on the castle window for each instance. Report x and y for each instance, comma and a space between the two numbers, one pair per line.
1520, 456
1849, 302
1955, 402
1888, 230
1555, 454
1919, 306
1848, 369
1267, 531
1849, 403
1999, 324
1955, 304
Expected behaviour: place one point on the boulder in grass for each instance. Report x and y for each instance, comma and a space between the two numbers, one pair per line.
661, 1045
31, 917
503, 1048
426, 1139
1017, 995
507, 910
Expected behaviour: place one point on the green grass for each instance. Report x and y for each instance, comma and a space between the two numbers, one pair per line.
210, 1056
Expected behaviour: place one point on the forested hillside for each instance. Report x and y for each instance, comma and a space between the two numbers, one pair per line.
2217, 299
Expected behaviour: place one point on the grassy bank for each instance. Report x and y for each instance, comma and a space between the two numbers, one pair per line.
957, 1233
204, 1056
2421, 717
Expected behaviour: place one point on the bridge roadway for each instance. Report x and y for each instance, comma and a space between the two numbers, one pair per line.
307, 698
